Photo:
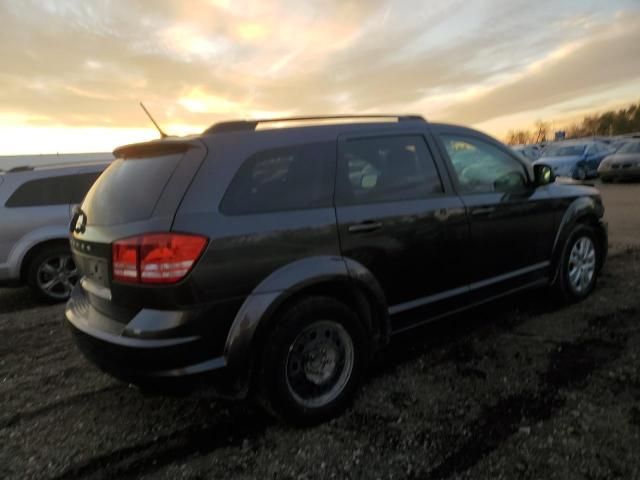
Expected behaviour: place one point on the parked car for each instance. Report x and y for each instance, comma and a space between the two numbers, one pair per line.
274, 263
529, 152
621, 141
35, 210
577, 159
624, 164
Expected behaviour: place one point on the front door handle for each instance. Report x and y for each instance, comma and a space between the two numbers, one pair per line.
367, 226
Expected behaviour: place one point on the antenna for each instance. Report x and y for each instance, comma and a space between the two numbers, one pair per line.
162, 134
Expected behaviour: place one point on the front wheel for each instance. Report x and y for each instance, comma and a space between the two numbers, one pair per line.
579, 263
313, 361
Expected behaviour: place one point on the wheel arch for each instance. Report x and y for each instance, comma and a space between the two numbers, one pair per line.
583, 210
335, 277
34, 250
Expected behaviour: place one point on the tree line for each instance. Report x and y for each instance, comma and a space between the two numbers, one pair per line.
612, 122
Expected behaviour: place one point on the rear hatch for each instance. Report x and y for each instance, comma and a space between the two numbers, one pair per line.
139, 193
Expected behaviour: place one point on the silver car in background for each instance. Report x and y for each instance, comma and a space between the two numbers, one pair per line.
578, 159
529, 152
624, 164
36, 205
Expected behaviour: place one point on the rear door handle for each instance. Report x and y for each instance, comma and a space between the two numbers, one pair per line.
367, 226
484, 210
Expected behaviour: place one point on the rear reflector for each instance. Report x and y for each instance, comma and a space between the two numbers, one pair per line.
156, 257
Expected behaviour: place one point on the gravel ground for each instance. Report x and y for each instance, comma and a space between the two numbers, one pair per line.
522, 388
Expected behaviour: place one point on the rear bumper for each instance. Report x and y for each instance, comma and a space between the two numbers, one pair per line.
178, 361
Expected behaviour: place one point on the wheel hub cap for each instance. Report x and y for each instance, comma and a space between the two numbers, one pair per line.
319, 363
582, 264
57, 275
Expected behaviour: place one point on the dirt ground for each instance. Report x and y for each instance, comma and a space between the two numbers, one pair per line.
522, 388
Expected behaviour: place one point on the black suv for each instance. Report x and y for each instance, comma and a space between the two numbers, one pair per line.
277, 261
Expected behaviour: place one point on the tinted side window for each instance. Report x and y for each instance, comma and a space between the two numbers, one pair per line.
482, 167
80, 185
290, 178
386, 169
43, 191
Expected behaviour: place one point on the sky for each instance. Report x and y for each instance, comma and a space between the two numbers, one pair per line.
73, 72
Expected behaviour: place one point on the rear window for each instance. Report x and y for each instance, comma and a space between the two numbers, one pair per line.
291, 178
386, 169
59, 190
128, 190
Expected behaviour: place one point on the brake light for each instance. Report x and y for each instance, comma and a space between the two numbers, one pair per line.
156, 257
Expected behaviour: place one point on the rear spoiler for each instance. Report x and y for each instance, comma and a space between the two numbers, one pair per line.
165, 146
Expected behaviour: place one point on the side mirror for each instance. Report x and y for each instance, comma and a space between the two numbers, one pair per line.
543, 175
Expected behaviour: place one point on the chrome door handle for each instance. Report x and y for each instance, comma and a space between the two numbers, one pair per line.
367, 226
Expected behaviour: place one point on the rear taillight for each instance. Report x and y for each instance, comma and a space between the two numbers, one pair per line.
156, 257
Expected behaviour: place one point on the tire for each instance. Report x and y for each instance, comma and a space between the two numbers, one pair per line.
606, 179
52, 264
579, 263
317, 344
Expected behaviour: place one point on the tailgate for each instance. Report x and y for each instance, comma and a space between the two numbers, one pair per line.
138, 193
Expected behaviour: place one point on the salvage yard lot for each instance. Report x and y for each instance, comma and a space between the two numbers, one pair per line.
522, 388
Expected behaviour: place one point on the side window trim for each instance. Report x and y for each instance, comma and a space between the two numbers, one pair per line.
424, 135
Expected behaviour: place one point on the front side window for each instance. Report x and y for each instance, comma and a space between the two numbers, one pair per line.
386, 169
482, 167
290, 178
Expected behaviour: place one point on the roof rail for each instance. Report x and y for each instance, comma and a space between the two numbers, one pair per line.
248, 125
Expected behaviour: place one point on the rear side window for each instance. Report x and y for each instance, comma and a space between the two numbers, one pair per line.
128, 190
290, 178
386, 169
81, 185
59, 190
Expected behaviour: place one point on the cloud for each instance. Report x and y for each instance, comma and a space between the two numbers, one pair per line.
605, 59
87, 64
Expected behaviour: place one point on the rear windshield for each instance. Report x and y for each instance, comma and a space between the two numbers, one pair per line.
128, 190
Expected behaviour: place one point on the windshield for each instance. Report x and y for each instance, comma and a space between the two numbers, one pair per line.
564, 150
631, 147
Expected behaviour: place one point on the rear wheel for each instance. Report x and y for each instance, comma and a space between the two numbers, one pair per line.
580, 258
52, 273
313, 361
